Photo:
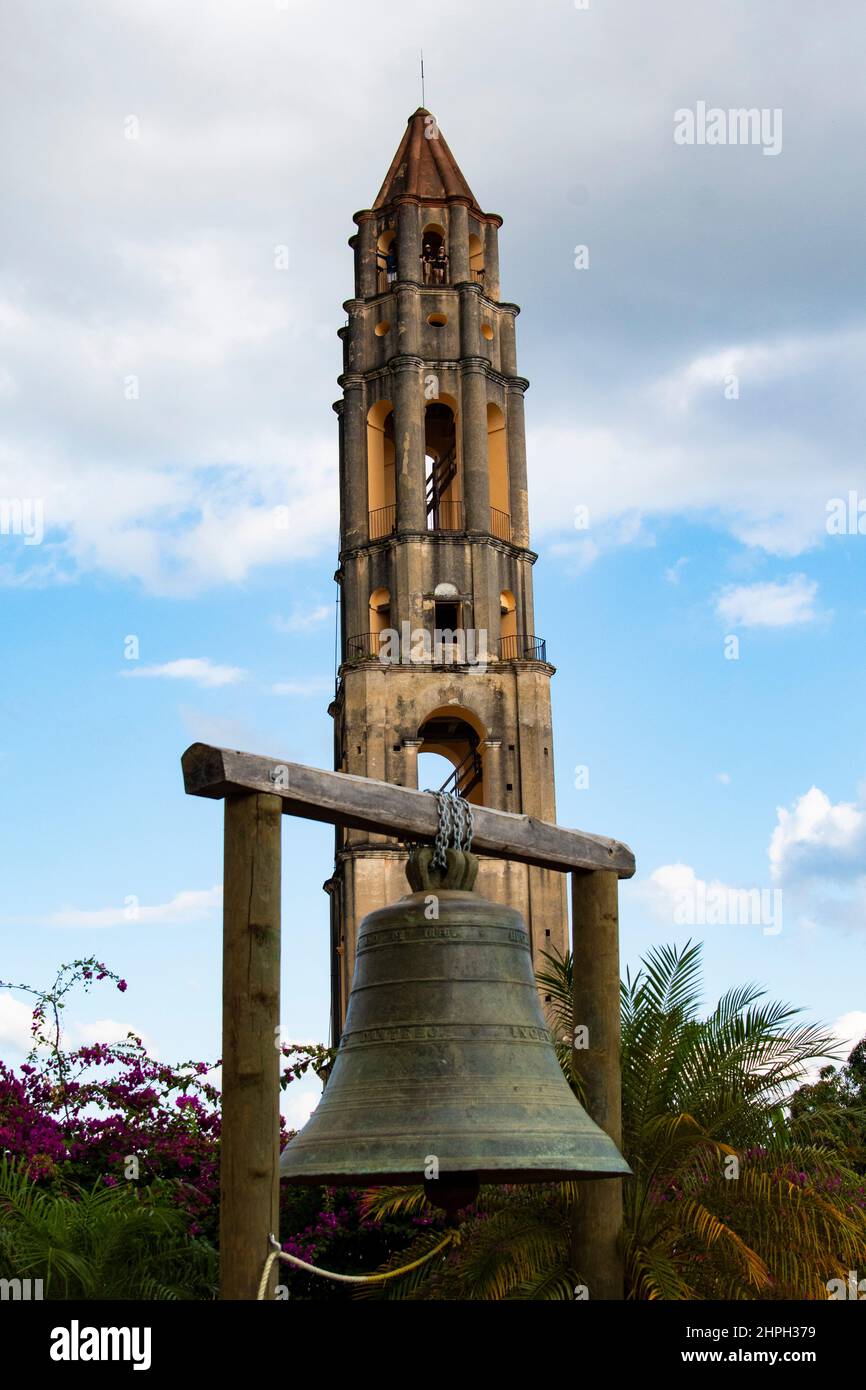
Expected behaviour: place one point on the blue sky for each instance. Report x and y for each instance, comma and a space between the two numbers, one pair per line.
164, 388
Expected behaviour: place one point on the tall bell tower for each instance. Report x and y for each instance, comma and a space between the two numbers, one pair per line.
439, 646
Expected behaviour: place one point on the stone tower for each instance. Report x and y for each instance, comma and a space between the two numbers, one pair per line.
439, 646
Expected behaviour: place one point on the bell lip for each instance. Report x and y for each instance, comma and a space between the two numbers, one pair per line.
489, 1176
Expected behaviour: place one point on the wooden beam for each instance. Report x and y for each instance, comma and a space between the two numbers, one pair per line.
250, 1133
361, 803
597, 1228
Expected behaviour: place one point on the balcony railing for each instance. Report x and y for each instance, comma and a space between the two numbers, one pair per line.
477, 276
443, 516
364, 647
446, 516
521, 647
382, 522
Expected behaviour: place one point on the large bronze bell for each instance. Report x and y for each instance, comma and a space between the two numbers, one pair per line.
446, 1066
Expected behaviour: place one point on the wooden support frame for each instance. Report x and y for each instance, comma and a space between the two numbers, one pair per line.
258, 791
249, 1142
361, 803
597, 1228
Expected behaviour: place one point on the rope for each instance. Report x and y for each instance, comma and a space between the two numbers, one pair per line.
278, 1254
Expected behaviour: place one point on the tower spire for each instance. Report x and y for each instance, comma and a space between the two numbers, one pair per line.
423, 166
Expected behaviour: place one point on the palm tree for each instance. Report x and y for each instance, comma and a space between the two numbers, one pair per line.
730, 1197
106, 1243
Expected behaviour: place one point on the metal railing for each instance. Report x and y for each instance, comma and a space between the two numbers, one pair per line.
364, 646
446, 516
522, 647
443, 470
500, 524
382, 521
465, 776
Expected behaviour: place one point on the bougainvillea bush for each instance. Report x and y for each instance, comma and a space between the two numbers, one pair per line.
107, 1117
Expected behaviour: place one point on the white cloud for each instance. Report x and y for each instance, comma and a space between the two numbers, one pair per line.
298, 1104
303, 619
676, 896
848, 1030
757, 364
818, 839
724, 778
223, 732
16, 1018
15, 1021
199, 669
816, 866
675, 447
315, 686
674, 571
781, 603
195, 905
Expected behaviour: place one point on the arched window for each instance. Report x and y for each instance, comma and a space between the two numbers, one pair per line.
497, 467
381, 490
434, 255
380, 612
507, 626
476, 259
457, 736
386, 260
444, 505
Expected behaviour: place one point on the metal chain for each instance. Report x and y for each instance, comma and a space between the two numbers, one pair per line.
455, 826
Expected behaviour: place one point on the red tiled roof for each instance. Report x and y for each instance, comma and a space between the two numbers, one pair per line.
422, 167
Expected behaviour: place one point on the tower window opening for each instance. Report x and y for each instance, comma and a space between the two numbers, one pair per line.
507, 625
476, 259
454, 738
487, 332
447, 615
437, 320
381, 483
497, 468
386, 261
444, 504
382, 328
380, 611
434, 256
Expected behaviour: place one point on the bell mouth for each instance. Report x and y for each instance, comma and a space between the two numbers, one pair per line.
452, 1193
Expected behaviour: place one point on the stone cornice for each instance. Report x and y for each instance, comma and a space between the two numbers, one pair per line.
348, 380
456, 668
415, 287
519, 552
449, 200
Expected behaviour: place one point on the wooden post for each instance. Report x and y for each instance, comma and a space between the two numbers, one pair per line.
249, 1146
595, 948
